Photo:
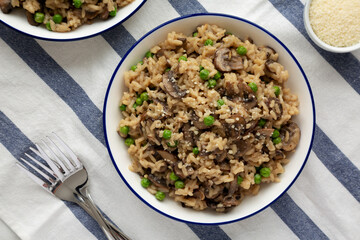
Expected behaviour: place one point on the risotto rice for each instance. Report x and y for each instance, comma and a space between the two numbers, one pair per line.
208, 118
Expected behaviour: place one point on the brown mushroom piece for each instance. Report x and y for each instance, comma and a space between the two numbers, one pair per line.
30, 18
268, 50
178, 171
290, 136
171, 86
225, 62
104, 15
5, 6
199, 194
267, 132
249, 97
272, 66
234, 130
158, 182
242, 147
233, 186
230, 201
168, 157
277, 107
189, 136
195, 121
279, 155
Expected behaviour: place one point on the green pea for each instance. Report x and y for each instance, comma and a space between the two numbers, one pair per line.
211, 83
265, 172
48, 26
57, 18
124, 130
241, 50
173, 145
182, 58
145, 182
220, 102
129, 142
139, 101
257, 178
113, 13
253, 86
179, 184
195, 34
204, 74
135, 105
209, 42
173, 176
262, 122
196, 150
209, 120
149, 54
77, 3
276, 90
144, 96
217, 76
277, 140
168, 69
133, 67
141, 62
39, 17
201, 68
166, 134
123, 107
160, 195
275, 134
239, 180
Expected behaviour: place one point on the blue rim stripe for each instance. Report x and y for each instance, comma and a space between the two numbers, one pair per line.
297, 221
141, 39
337, 163
56, 78
80, 38
17, 143
346, 64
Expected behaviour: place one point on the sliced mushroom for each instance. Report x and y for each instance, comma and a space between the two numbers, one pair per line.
290, 136
254, 124
234, 130
224, 166
178, 171
234, 186
168, 157
104, 15
189, 136
279, 155
225, 62
268, 50
90, 14
5, 6
195, 121
221, 156
158, 182
267, 132
199, 194
30, 18
249, 97
272, 66
171, 86
242, 147
212, 193
277, 108
160, 53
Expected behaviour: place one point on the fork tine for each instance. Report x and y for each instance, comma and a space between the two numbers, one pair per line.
34, 177
37, 170
56, 158
41, 165
69, 151
70, 164
52, 165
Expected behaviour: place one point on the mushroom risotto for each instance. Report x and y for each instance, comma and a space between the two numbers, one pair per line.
207, 118
64, 15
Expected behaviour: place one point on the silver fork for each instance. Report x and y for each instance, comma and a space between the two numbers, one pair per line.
67, 179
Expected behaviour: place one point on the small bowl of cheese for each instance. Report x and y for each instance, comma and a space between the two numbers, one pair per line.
334, 25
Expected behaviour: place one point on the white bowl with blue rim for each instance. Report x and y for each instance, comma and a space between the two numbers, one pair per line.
268, 193
17, 20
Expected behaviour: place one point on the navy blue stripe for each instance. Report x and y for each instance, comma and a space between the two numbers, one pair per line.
119, 39
56, 78
186, 7
209, 232
345, 64
17, 143
337, 163
296, 219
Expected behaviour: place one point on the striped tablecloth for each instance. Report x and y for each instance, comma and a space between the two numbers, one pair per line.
60, 86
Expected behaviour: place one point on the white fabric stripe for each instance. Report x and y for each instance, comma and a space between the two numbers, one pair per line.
333, 209
92, 70
267, 220
335, 110
41, 208
117, 202
6, 232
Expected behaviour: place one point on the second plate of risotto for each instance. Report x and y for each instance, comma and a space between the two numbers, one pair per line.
208, 119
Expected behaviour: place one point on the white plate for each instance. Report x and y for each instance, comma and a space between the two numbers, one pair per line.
268, 193
17, 20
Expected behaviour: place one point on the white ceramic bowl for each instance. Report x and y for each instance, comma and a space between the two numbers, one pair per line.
317, 40
268, 193
17, 20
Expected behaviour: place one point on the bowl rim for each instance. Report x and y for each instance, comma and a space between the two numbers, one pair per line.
317, 40
76, 38
159, 27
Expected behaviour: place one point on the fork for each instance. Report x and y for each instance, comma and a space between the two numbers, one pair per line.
66, 178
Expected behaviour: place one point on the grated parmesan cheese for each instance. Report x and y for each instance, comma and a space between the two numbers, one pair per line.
336, 22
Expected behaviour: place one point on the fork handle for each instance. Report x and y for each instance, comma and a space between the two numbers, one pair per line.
109, 229
113, 228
